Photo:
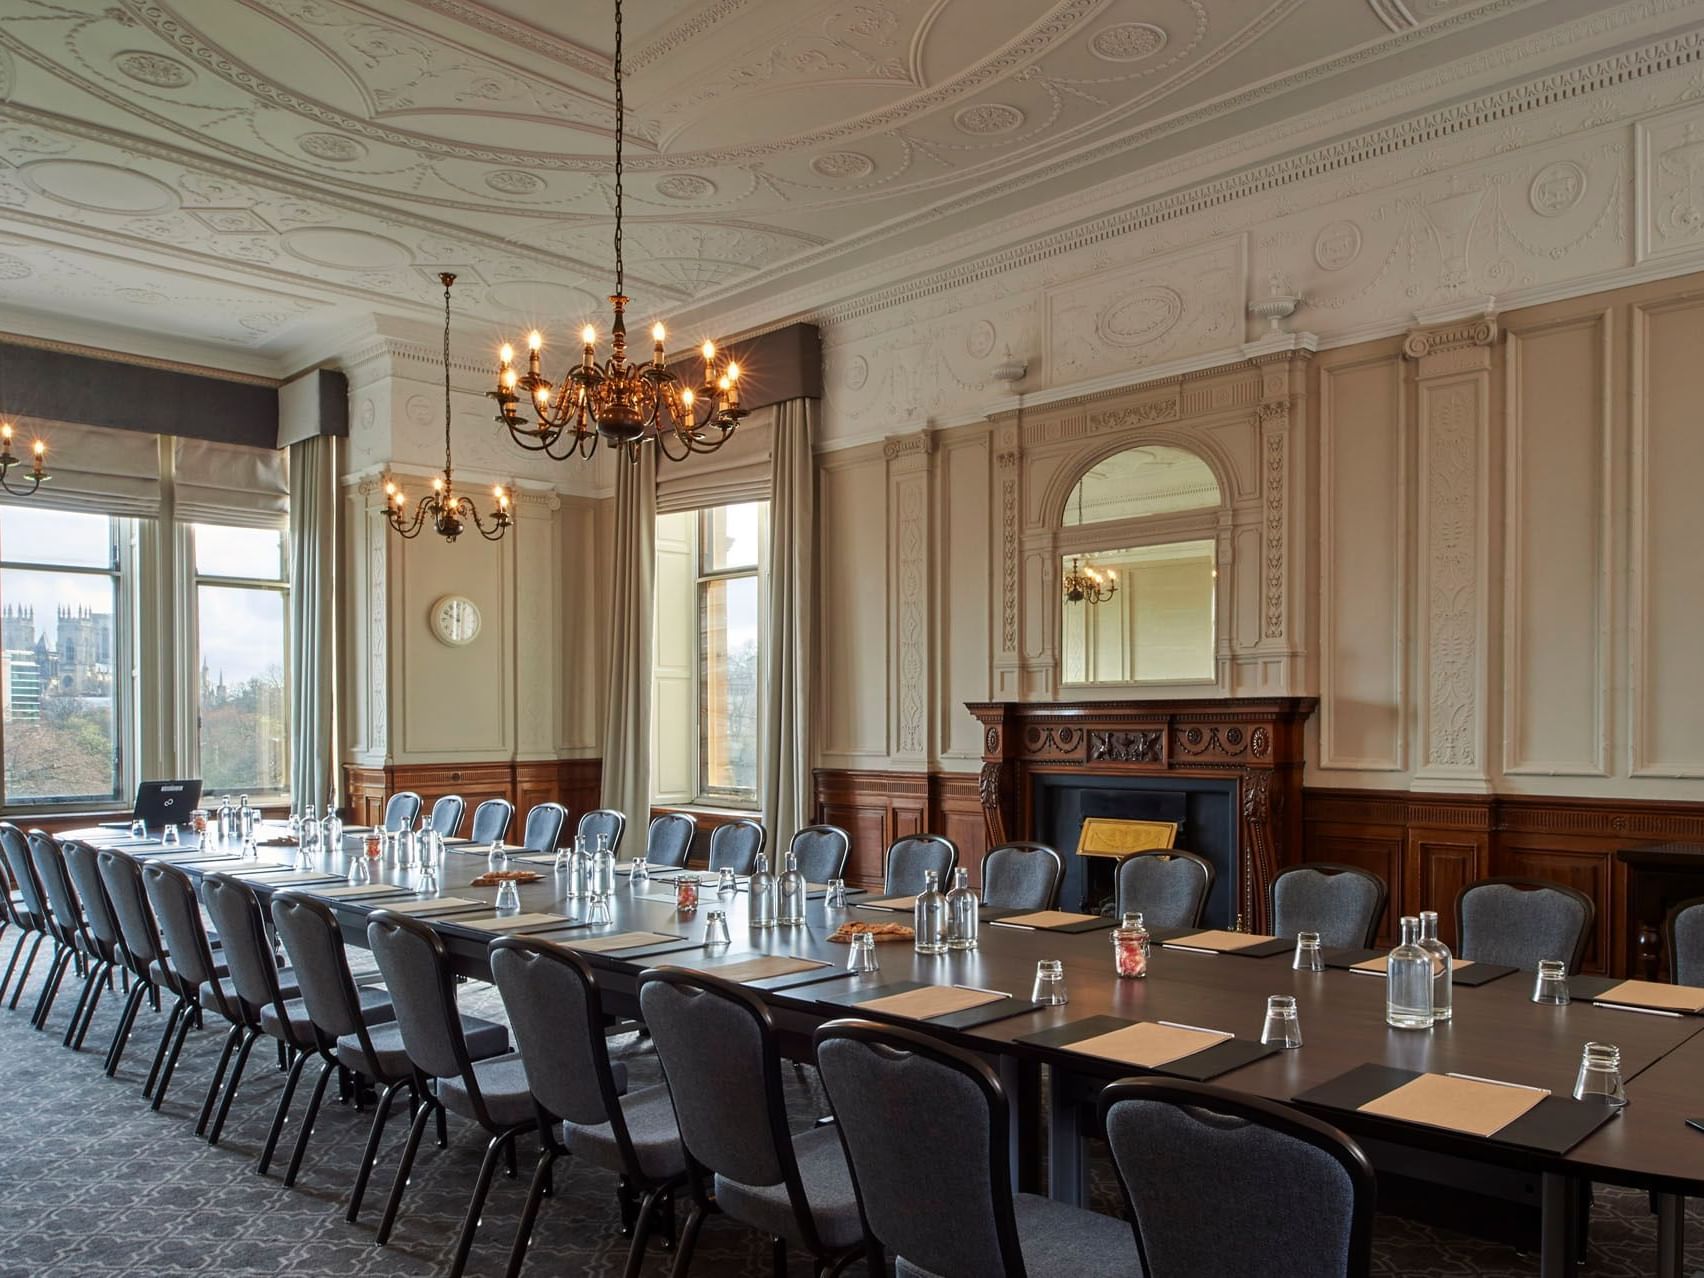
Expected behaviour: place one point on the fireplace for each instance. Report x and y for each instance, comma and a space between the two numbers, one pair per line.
1228, 769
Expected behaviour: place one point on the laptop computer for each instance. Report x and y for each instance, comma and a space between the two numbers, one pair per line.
161, 803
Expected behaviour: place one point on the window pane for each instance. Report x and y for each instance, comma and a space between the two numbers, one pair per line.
57, 684
35, 536
731, 535
244, 737
728, 688
257, 553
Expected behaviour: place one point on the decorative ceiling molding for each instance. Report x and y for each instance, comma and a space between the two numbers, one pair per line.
139, 361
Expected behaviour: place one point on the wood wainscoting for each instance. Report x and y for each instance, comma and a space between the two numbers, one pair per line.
1430, 846
876, 808
574, 783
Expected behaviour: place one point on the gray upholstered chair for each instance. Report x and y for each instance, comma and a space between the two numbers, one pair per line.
100, 928
1169, 889
668, 842
734, 845
1518, 921
952, 1214
140, 952
491, 821
1343, 903
187, 970
605, 821
718, 1049
492, 1092
14, 918
1304, 1191
822, 851
402, 810
313, 942
446, 815
543, 832
64, 926
1684, 931
31, 906
1021, 876
909, 857
585, 1110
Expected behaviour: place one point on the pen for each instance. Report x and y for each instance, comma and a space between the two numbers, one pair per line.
977, 989
1192, 949
1497, 1082
1624, 1007
1199, 1029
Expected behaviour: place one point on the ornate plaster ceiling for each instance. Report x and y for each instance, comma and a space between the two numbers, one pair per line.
259, 174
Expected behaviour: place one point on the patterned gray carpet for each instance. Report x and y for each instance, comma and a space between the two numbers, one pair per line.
93, 1183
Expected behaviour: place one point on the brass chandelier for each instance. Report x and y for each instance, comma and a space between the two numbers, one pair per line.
1089, 584
449, 514
10, 460
627, 405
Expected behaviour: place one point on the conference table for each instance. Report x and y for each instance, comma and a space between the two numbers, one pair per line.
1497, 1032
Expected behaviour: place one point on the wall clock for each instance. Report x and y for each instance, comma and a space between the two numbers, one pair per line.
455, 620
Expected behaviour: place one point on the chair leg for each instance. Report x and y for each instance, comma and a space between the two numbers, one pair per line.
443, 1131
641, 1230
24, 976
688, 1241
184, 1023
371, 1154
529, 1213
17, 948
308, 1123
476, 1205
100, 982
126, 1022
778, 1256
50, 988
416, 1130
164, 1047
217, 1082
91, 983
250, 1038
282, 1114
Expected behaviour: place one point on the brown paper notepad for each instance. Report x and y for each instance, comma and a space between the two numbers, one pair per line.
438, 905
357, 890
286, 879
1046, 918
1221, 942
512, 922
930, 1001
890, 903
1456, 1104
621, 941
1148, 1044
1668, 998
758, 968
1377, 966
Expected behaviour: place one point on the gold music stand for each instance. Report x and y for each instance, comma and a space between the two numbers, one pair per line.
1116, 839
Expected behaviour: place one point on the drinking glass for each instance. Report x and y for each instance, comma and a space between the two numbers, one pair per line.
863, 955
359, 871
1050, 984
1308, 958
508, 897
495, 853
1600, 1075
639, 872
428, 881
599, 912
169, 836
1282, 1029
836, 894
138, 829
1552, 983
716, 928
726, 882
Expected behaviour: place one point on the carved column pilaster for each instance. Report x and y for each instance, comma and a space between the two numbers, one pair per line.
1007, 532
1452, 374
371, 655
909, 594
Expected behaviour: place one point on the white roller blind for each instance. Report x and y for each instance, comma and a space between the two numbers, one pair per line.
230, 484
108, 472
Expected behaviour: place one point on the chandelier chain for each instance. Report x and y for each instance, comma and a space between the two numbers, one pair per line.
448, 280
620, 136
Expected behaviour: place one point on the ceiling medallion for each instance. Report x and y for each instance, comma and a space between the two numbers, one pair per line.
1128, 42
333, 147
448, 514
685, 186
626, 405
514, 182
988, 117
843, 164
153, 69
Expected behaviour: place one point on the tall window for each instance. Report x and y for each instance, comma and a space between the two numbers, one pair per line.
59, 668
242, 594
709, 618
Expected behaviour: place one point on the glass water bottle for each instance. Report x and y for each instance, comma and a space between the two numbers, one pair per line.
1408, 981
765, 894
930, 916
227, 821
791, 909
963, 919
1443, 978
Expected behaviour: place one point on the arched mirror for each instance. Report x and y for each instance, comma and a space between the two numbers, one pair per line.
1141, 605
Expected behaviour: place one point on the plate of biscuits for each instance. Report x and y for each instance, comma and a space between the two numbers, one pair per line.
491, 878
881, 931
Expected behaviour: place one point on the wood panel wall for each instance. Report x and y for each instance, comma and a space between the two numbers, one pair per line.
574, 783
876, 808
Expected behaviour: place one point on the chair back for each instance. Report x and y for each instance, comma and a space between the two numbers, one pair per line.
402, 810
15, 847
669, 840
137, 927
189, 955
1304, 1191
544, 827
82, 862
313, 943
1021, 876
735, 846
447, 815
416, 968
605, 821
895, 1091
1343, 903
909, 857
1685, 937
1518, 921
64, 911
491, 820
822, 851
1169, 889
234, 907
716, 1043
556, 1015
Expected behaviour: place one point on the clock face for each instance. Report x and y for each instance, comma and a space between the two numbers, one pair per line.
455, 620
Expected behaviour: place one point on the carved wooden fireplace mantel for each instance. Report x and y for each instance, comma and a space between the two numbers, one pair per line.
1255, 741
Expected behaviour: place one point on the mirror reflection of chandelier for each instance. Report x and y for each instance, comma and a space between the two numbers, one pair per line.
627, 405
1085, 583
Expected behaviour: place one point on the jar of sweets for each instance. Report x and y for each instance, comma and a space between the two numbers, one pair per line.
1130, 948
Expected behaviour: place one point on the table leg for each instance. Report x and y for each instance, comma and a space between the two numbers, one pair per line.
1559, 1203
1671, 1235
1066, 1174
1022, 1081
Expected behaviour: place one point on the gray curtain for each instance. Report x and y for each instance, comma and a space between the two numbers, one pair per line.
627, 721
313, 620
789, 653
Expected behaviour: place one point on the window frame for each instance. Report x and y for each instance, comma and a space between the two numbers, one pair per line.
705, 576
